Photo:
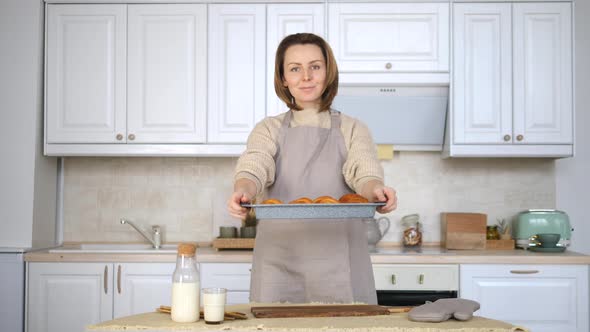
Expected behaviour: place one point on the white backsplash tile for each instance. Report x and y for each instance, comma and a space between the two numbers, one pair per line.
187, 197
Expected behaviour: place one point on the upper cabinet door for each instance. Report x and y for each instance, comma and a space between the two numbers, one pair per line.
284, 20
482, 77
167, 73
237, 61
390, 37
543, 95
86, 73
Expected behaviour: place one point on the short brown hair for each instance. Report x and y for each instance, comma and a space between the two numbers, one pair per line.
331, 88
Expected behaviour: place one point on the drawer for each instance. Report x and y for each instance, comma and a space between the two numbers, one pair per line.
416, 277
233, 276
238, 297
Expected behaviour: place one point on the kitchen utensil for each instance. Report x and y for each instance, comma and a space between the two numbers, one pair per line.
376, 229
314, 211
542, 221
324, 311
541, 249
546, 240
228, 232
463, 230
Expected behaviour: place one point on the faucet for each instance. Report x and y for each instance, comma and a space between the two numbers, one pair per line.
155, 238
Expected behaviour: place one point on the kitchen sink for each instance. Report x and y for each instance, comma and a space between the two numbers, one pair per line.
127, 248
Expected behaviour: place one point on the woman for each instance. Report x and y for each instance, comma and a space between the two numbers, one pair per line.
310, 151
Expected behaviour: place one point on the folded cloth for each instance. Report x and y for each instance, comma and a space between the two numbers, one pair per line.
443, 309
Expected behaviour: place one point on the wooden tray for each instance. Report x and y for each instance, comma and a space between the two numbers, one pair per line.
499, 244
325, 311
233, 243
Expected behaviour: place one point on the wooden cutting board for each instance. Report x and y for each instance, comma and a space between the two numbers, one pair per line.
325, 311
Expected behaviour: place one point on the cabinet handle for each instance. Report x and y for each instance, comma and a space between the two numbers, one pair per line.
119, 279
506, 138
106, 284
393, 279
388, 65
421, 279
131, 137
119, 137
519, 138
524, 271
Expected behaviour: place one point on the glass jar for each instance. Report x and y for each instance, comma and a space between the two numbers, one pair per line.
492, 233
186, 286
412, 236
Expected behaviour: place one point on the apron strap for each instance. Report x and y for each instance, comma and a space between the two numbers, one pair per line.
336, 120
287, 120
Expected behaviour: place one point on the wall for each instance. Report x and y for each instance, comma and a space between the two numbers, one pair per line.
27, 194
572, 174
187, 196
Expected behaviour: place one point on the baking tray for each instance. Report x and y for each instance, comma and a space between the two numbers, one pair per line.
314, 211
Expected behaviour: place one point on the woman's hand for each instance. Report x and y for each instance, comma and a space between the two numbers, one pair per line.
244, 191
376, 191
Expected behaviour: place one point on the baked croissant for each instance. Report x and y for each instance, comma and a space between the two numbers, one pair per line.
272, 201
302, 200
325, 200
353, 198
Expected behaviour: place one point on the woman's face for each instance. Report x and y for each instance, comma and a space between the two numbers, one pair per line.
305, 74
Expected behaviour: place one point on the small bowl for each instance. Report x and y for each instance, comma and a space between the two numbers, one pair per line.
548, 240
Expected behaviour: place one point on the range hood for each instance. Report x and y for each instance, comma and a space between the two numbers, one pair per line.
412, 118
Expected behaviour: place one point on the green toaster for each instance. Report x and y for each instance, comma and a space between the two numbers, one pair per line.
531, 222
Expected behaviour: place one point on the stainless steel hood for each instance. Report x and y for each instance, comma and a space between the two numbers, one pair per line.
412, 118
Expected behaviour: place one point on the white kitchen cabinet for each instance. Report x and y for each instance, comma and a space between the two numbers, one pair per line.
237, 40
423, 277
389, 37
126, 73
235, 277
284, 20
167, 70
68, 296
512, 80
542, 298
86, 63
543, 93
141, 287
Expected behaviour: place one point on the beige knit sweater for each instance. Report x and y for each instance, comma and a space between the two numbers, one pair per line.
257, 163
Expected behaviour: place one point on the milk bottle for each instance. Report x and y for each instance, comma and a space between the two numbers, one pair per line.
185, 286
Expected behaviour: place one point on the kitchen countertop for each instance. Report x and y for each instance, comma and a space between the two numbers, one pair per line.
385, 255
391, 323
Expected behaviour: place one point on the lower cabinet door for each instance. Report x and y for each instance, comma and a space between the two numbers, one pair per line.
141, 287
542, 298
66, 297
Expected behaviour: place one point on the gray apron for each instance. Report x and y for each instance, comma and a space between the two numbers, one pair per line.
311, 260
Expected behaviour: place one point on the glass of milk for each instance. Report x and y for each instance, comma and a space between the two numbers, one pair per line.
214, 304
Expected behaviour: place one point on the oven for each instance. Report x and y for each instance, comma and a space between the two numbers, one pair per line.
415, 284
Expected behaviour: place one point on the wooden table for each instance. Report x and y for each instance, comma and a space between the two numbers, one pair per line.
159, 322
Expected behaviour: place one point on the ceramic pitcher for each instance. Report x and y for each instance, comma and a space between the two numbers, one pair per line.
376, 229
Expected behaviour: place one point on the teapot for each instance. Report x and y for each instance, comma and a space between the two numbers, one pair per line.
375, 232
